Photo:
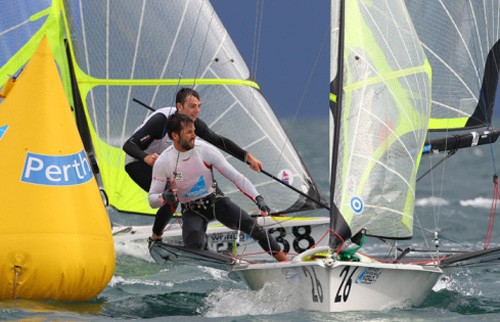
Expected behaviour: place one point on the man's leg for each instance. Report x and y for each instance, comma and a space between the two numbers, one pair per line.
232, 216
163, 216
194, 228
142, 174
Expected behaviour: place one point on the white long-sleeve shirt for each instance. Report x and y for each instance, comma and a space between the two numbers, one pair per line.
190, 173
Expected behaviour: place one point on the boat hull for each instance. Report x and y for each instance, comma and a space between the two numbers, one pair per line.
335, 286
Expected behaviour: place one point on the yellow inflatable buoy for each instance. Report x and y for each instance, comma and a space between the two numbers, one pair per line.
55, 235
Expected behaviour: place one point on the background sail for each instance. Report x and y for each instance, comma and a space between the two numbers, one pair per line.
460, 39
149, 49
385, 106
23, 23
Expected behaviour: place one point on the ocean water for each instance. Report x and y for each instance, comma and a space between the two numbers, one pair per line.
142, 290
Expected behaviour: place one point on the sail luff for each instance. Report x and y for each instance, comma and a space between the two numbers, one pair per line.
340, 229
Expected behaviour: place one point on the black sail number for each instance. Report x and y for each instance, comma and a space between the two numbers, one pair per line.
316, 288
345, 285
302, 234
281, 238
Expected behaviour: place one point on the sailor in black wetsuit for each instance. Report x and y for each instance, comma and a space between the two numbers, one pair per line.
150, 139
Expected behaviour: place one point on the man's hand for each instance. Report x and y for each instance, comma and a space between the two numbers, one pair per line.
169, 195
264, 208
254, 163
151, 158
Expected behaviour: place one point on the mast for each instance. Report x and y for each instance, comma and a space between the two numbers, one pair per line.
81, 120
337, 223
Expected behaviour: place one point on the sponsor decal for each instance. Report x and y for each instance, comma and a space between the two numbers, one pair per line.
368, 276
230, 236
286, 176
223, 242
56, 170
198, 190
357, 205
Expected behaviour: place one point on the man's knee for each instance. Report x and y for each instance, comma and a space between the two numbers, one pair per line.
195, 239
258, 233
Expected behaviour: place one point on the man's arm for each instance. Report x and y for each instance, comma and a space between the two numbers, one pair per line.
214, 157
225, 144
158, 183
154, 129
242, 182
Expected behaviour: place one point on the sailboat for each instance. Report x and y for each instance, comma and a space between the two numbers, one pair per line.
112, 55
399, 70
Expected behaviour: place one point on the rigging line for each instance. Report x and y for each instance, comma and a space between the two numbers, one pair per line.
259, 17
190, 43
204, 44
306, 87
444, 237
493, 210
450, 153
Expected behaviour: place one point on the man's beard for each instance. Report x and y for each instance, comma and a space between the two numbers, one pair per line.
186, 145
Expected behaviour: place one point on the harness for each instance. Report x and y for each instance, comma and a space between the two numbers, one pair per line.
205, 202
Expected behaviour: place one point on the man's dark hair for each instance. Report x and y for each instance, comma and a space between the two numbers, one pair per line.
183, 94
176, 122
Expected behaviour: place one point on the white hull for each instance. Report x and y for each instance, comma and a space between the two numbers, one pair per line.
334, 286
294, 234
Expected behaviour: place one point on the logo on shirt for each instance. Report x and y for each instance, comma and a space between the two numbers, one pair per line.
198, 190
56, 170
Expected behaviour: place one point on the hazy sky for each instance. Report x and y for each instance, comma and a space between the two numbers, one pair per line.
293, 33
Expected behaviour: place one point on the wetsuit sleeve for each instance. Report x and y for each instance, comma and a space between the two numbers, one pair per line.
214, 157
158, 182
154, 129
223, 143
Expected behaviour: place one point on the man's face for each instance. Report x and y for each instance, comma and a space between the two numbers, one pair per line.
190, 108
186, 139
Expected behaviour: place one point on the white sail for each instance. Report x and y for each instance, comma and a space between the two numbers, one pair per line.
460, 40
383, 109
147, 50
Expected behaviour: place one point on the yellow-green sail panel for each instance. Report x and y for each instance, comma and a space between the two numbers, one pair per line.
384, 115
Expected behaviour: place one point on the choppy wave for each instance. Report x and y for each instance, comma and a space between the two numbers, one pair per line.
478, 202
431, 201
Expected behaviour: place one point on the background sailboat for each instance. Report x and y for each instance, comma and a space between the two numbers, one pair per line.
148, 60
112, 53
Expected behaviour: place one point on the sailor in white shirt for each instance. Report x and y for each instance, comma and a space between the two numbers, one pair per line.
183, 172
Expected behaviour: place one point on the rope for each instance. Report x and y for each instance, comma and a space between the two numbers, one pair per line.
493, 210
17, 272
